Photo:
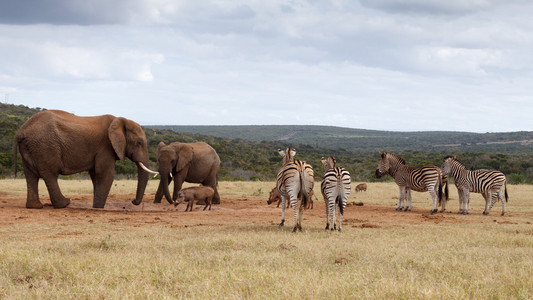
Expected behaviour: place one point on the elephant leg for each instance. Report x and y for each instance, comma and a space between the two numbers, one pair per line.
102, 183
32, 184
56, 197
178, 183
160, 190
211, 181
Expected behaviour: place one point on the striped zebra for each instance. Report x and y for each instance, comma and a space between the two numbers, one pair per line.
420, 179
294, 182
490, 183
335, 190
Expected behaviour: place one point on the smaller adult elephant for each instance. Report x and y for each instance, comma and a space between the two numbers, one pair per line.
190, 162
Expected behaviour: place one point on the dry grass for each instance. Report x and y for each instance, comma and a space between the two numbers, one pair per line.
118, 260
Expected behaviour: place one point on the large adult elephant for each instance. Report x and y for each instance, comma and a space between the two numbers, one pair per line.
190, 162
55, 142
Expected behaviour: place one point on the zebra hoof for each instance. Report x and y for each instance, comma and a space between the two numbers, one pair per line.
327, 226
282, 223
398, 209
485, 213
432, 212
502, 214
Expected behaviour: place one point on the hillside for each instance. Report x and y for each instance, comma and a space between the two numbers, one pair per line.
249, 152
370, 140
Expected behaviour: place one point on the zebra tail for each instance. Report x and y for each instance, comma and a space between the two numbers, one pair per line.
440, 191
303, 190
339, 203
506, 195
446, 193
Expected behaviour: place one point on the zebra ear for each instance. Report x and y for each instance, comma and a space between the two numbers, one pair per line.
281, 152
293, 152
324, 161
382, 154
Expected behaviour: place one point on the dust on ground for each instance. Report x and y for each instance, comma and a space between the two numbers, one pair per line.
233, 211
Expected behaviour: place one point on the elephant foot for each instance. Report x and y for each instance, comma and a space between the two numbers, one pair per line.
34, 204
64, 202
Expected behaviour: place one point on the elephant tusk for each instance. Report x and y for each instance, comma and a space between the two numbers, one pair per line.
147, 170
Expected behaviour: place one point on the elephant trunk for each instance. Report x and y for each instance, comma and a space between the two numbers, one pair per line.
143, 175
165, 177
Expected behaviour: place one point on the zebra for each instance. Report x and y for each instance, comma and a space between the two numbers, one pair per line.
420, 179
294, 182
490, 183
335, 190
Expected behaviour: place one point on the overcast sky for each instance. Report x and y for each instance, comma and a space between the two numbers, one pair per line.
413, 65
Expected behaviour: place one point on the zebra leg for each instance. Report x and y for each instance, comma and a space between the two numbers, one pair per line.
434, 197
502, 198
283, 200
326, 204
400, 199
488, 198
408, 200
295, 209
460, 201
442, 200
466, 199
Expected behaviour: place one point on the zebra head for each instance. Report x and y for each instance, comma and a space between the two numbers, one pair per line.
383, 165
329, 163
447, 165
288, 155
450, 163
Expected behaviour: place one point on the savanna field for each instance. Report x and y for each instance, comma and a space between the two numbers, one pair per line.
237, 250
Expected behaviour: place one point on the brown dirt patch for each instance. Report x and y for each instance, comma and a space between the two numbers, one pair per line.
119, 209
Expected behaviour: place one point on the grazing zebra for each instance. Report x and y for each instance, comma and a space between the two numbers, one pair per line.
420, 179
490, 183
294, 181
335, 190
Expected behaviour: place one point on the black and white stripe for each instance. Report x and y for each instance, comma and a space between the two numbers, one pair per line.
420, 179
335, 187
294, 182
489, 183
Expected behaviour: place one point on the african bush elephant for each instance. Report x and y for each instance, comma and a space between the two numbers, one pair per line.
55, 142
190, 162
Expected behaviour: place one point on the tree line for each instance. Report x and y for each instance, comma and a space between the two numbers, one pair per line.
259, 160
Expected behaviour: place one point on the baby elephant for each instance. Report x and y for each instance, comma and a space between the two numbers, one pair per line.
194, 194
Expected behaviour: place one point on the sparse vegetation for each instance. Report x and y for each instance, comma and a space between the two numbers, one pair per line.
160, 255
249, 152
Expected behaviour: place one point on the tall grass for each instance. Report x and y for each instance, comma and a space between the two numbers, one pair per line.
118, 260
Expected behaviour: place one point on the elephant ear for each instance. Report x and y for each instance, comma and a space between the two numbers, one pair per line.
185, 155
117, 136
158, 150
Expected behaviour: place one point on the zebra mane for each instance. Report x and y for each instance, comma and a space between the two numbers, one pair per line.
397, 157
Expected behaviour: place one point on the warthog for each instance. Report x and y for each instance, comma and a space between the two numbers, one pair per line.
192, 194
361, 187
275, 196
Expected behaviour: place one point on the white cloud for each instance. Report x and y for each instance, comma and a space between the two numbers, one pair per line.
396, 65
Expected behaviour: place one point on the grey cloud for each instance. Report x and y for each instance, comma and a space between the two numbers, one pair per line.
70, 12
430, 7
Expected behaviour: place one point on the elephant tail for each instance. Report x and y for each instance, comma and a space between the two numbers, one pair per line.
15, 146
